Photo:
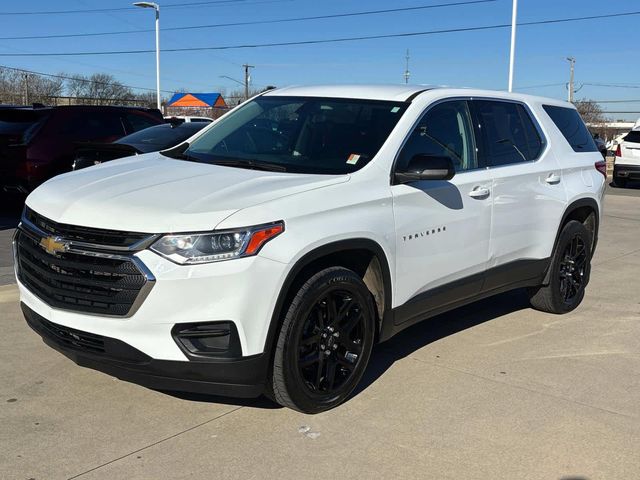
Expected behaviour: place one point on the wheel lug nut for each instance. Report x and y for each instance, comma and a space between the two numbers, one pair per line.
322, 347
335, 346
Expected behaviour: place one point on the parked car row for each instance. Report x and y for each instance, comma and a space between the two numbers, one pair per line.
37, 143
152, 139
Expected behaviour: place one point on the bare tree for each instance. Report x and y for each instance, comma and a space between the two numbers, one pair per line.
590, 111
595, 118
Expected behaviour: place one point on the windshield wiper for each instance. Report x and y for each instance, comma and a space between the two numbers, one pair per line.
251, 164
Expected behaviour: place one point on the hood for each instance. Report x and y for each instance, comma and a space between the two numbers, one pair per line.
155, 194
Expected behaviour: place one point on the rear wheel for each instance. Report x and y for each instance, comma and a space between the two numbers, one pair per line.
569, 272
325, 342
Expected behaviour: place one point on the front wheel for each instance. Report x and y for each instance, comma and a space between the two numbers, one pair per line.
325, 342
569, 272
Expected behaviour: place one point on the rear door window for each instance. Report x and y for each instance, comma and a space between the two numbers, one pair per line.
19, 126
570, 123
92, 126
507, 132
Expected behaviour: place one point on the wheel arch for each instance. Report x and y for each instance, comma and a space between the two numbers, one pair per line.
586, 211
365, 256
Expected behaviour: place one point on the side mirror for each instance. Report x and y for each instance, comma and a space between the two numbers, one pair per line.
426, 167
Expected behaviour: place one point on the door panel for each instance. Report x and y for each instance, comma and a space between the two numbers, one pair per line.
442, 227
442, 234
527, 184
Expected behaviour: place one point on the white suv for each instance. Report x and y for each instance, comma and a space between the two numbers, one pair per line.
269, 252
626, 164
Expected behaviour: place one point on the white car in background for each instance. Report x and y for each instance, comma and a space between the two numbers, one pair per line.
187, 119
615, 141
626, 164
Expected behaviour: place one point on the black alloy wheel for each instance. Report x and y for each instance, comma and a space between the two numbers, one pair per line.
572, 269
324, 343
331, 342
568, 273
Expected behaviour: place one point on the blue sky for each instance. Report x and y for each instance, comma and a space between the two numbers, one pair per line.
606, 50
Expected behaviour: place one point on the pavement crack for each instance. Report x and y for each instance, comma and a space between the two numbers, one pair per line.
623, 218
520, 387
156, 443
616, 258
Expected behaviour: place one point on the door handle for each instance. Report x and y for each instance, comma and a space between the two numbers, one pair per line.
553, 179
479, 192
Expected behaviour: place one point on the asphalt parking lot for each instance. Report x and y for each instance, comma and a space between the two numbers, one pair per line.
494, 390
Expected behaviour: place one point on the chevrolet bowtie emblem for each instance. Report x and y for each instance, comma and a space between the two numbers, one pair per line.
53, 245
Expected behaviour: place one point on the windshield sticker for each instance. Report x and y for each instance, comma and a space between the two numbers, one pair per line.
353, 159
395, 109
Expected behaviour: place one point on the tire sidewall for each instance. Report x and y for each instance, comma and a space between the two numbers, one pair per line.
314, 289
569, 231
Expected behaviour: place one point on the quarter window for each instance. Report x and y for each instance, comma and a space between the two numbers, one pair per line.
508, 134
444, 131
570, 123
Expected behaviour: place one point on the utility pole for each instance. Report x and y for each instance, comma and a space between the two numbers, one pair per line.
26, 89
247, 79
571, 86
512, 55
407, 74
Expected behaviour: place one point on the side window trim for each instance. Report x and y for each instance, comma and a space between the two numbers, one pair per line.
424, 113
478, 125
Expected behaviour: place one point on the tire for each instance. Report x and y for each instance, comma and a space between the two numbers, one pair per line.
568, 273
331, 312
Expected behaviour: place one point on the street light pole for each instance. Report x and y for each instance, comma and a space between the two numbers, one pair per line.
571, 86
247, 79
156, 7
512, 56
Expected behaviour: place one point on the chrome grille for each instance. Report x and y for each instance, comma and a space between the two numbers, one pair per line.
88, 281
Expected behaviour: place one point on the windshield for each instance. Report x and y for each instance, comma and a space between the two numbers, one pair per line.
299, 134
161, 136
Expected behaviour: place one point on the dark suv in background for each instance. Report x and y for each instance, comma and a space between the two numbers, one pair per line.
37, 143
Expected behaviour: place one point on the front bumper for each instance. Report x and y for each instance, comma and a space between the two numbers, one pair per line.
243, 377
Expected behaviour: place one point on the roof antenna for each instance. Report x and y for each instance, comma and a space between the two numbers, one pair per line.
407, 74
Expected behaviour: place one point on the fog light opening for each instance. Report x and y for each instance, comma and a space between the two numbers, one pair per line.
213, 339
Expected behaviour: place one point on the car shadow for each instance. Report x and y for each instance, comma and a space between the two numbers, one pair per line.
431, 330
402, 345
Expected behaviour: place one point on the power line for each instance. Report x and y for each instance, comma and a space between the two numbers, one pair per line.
617, 101
541, 86
258, 22
120, 9
323, 41
614, 85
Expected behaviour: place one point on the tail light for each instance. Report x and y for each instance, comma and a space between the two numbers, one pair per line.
618, 151
601, 166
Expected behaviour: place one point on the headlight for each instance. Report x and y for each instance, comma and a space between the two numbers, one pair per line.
192, 248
